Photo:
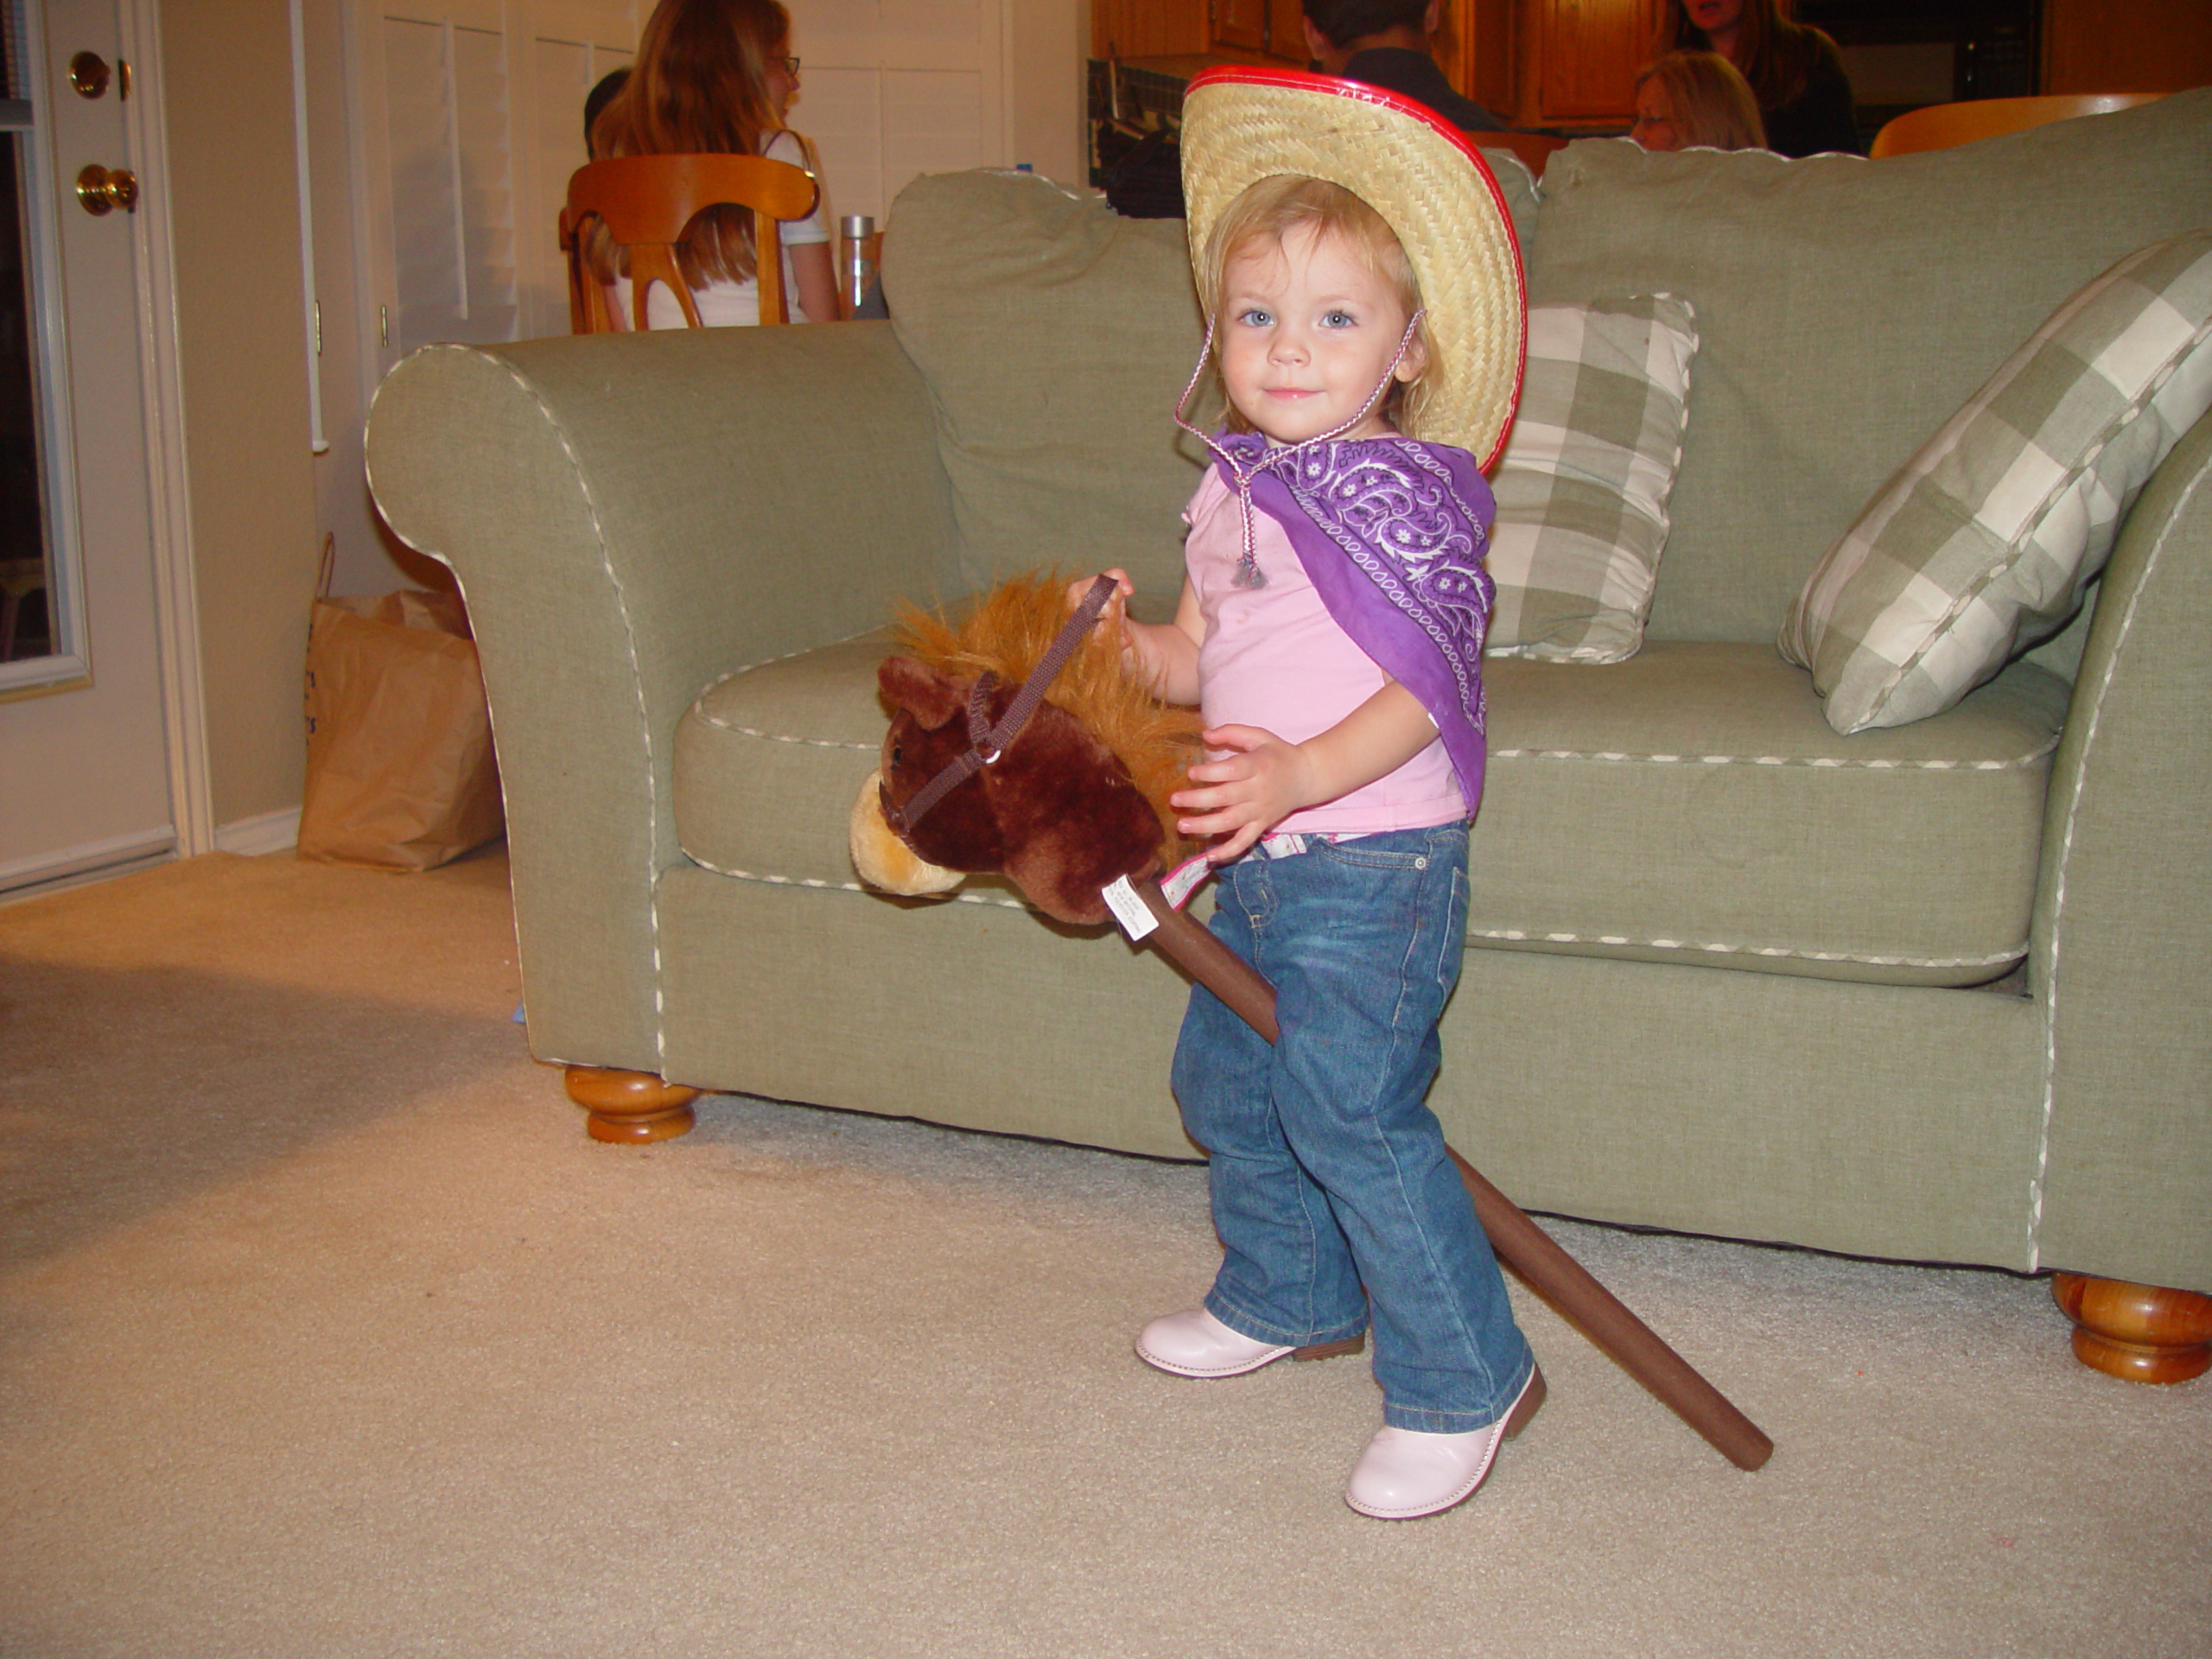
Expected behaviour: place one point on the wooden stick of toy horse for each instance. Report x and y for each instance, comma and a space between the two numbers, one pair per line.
1067, 796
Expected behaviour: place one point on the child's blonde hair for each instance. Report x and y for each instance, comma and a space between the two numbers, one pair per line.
1269, 210
1708, 101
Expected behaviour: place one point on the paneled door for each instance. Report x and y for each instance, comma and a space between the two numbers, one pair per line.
471, 119
85, 764
893, 89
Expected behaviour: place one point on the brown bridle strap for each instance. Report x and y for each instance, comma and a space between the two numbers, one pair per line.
986, 742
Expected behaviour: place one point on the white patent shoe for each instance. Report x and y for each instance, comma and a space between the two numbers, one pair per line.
1405, 1473
1195, 1344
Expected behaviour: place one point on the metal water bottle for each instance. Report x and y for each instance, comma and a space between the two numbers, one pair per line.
858, 274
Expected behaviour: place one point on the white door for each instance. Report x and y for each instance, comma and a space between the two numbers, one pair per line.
893, 89
471, 121
85, 780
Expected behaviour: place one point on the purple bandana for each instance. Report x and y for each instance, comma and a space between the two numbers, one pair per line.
1391, 533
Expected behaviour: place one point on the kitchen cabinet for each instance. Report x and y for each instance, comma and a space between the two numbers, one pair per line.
1234, 31
2127, 46
1274, 29
1585, 53
1536, 63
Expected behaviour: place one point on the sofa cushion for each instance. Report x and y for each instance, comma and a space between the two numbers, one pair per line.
769, 759
1055, 336
1582, 486
1844, 308
1983, 543
1690, 805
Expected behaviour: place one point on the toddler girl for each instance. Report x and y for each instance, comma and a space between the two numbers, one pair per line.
1331, 629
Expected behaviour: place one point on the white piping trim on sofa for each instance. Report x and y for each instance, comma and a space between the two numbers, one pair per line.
1996, 959
847, 887
1820, 762
780, 737
1514, 935
2058, 885
716, 683
637, 681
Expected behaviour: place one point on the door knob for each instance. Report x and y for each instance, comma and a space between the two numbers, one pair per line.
88, 73
102, 190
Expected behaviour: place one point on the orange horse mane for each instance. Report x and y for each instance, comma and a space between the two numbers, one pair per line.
1007, 632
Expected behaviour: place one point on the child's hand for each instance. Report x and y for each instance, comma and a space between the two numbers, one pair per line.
1260, 782
1162, 656
1116, 612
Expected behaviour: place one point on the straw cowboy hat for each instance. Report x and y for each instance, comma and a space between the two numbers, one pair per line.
1429, 183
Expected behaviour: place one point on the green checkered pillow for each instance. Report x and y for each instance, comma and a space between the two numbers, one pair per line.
1983, 543
1582, 486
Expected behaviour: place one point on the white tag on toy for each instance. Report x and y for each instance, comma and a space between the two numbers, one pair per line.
1180, 883
1132, 913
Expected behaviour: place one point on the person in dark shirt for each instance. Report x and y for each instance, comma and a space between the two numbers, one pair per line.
1382, 43
1795, 71
1385, 43
599, 97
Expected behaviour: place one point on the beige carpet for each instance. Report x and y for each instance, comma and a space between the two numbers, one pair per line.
327, 1332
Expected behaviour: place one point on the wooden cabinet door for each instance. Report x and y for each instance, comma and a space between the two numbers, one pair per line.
2127, 46
1588, 52
1241, 23
1147, 29
1274, 29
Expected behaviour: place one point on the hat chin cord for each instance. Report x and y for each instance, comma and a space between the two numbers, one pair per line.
1248, 574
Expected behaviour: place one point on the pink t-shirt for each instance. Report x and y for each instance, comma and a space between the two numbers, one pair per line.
1274, 658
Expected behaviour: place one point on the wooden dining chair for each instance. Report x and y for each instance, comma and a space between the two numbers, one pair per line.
1940, 126
647, 201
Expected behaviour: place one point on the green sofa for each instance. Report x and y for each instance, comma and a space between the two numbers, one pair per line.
1928, 993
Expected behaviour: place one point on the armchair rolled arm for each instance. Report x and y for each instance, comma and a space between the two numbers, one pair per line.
631, 516
2123, 920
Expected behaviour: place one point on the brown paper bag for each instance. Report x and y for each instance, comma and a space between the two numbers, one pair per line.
399, 772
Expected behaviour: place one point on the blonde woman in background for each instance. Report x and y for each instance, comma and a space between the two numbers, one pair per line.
1795, 71
1691, 100
714, 77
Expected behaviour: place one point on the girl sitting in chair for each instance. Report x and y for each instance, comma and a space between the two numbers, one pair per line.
714, 77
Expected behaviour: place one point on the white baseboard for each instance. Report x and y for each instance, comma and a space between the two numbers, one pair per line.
93, 860
269, 832
30, 878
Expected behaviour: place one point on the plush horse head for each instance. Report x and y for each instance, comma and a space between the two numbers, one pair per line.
1077, 798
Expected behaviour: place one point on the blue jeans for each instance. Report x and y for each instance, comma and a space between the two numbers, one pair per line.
1329, 1172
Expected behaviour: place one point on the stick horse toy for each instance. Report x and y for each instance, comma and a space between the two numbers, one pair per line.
1021, 743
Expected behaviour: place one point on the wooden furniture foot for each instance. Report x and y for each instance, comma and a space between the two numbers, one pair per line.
631, 1106
1518, 1242
2139, 1333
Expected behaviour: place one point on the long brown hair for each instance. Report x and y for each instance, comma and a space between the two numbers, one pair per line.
699, 86
1775, 52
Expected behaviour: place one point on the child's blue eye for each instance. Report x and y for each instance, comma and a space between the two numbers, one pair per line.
1339, 319
1254, 317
